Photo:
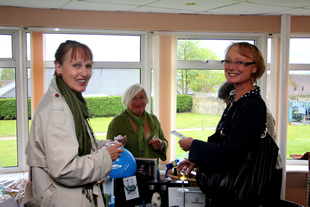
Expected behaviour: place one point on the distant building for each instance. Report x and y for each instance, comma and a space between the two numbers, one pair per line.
299, 87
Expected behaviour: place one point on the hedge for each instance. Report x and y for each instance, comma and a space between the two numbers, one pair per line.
8, 108
184, 103
107, 106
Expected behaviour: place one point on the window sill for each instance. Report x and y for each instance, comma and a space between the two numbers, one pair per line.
12, 176
299, 168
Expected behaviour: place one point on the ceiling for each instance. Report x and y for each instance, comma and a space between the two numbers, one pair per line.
203, 7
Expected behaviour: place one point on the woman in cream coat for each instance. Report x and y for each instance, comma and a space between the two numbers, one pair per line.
67, 164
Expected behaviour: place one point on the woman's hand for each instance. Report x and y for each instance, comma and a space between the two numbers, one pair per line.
123, 140
114, 151
156, 144
187, 164
186, 143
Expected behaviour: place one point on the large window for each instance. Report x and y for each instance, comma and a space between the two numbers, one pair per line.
298, 128
195, 56
11, 115
112, 48
118, 61
8, 126
298, 137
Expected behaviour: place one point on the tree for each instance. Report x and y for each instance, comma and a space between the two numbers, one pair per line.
207, 79
199, 80
7, 74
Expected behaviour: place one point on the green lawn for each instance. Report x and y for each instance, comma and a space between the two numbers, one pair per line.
8, 155
298, 135
193, 120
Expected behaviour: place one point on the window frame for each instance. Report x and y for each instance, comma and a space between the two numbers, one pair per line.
17, 61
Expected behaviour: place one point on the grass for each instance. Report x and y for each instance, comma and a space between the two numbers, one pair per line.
100, 124
8, 156
298, 135
194, 120
197, 134
298, 139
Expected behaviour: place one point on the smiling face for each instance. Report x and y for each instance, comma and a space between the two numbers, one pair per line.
238, 74
138, 104
76, 71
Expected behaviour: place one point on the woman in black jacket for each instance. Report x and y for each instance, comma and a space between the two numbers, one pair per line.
243, 65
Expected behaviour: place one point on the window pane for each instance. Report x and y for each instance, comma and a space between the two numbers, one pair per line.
204, 49
298, 137
199, 109
299, 50
105, 82
8, 141
298, 129
29, 97
111, 48
268, 50
28, 45
6, 46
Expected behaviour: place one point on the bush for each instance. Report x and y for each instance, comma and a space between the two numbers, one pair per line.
8, 108
107, 106
184, 103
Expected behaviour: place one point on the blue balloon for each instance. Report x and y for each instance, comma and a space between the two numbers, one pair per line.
124, 166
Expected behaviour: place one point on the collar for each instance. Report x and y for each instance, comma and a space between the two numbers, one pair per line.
256, 90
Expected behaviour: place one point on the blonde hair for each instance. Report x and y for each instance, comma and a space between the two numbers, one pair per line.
250, 51
131, 91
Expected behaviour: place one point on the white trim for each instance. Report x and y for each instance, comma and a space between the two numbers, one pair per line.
107, 65
145, 67
212, 35
21, 100
155, 66
84, 31
262, 82
8, 28
283, 91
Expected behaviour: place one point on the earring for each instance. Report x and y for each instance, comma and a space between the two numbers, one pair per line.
59, 74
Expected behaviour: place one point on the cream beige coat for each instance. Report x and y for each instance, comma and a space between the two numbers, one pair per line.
52, 152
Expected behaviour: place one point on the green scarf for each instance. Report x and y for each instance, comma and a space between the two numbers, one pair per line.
79, 109
143, 149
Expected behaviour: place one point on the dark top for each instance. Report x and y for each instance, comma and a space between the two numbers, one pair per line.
247, 124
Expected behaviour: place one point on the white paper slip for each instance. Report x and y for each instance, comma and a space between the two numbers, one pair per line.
178, 134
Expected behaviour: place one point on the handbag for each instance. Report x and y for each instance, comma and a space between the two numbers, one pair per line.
247, 183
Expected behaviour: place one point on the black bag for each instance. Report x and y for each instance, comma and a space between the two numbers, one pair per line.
247, 183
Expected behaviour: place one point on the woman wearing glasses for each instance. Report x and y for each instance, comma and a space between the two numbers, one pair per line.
243, 65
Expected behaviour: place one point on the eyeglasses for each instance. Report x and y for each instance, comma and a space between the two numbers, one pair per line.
238, 63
